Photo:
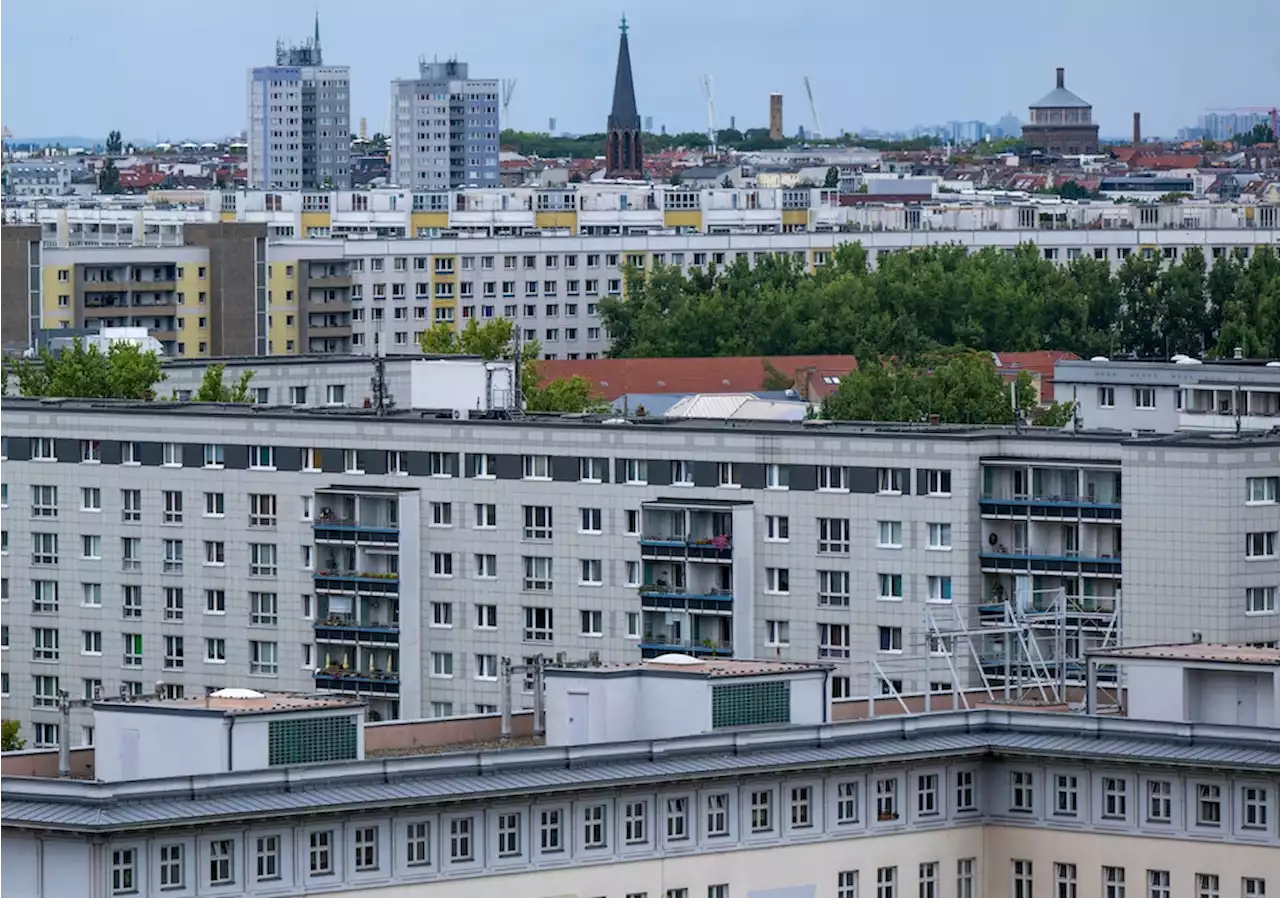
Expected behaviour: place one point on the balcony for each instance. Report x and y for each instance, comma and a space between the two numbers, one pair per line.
346, 630
328, 280
369, 583
654, 644
657, 547
661, 597
1026, 561
336, 679
351, 532
1048, 508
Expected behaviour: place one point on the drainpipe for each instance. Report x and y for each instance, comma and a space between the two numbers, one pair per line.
231, 726
64, 735
504, 696
539, 709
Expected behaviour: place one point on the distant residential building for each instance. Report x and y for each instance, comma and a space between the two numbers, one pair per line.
299, 121
1061, 123
39, 178
1226, 125
445, 129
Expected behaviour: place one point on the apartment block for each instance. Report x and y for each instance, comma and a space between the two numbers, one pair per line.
300, 121
445, 129
399, 557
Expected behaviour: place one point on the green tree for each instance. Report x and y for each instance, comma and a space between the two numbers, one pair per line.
564, 394
439, 339
115, 146
1056, 414
9, 738
212, 389
832, 179
1259, 133
109, 178
124, 371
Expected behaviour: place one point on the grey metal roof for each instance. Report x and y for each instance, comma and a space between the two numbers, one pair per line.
330, 788
1060, 98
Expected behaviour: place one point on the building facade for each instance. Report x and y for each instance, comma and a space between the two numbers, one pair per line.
342, 265
445, 129
1061, 124
300, 121
980, 803
399, 557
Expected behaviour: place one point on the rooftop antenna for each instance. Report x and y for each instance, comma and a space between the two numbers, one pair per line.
382, 399
709, 92
508, 88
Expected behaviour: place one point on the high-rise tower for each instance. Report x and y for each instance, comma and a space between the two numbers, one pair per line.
444, 129
623, 152
300, 121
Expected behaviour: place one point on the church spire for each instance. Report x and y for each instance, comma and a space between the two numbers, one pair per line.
623, 150
317, 27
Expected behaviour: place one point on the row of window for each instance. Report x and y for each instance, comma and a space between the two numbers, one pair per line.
264, 657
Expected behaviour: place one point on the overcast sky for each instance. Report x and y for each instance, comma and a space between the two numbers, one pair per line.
177, 68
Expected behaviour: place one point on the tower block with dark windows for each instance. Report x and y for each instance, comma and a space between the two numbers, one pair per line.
623, 152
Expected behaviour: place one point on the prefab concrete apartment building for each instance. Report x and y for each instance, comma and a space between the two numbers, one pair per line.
401, 557
445, 128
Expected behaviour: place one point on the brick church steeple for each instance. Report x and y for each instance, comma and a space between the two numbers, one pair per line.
623, 153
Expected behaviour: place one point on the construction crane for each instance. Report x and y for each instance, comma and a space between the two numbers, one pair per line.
508, 88
709, 92
813, 108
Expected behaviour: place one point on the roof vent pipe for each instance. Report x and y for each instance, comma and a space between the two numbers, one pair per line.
1062, 78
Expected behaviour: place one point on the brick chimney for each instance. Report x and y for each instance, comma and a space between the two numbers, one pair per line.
1062, 78
1137, 129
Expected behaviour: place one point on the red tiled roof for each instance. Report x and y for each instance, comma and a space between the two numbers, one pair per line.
1039, 362
739, 374
1166, 161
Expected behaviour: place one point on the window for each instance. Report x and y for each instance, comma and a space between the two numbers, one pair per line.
833, 478
927, 795
215, 601
508, 835
1253, 887
778, 633
173, 603
965, 791
267, 858
214, 505
262, 458
551, 831
538, 624
1023, 877
761, 811
778, 580
591, 519
594, 829
171, 455
937, 482
939, 589
418, 844
1262, 490
537, 522
717, 808
442, 664
592, 623
727, 474
833, 535
92, 595
1158, 884
132, 649
890, 639
1115, 797
1106, 397
92, 642
635, 471
221, 862
887, 799
632, 522
1207, 886
131, 506
1144, 397
366, 848
90, 498
215, 651
214, 455
215, 553
171, 867
442, 614
635, 815
43, 449
891, 480
833, 640
1022, 792
833, 588
124, 871
929, 879
939, 536
890, 587
1159, 801
320, 853
1064, 880
889, 534
777, 477
173, 653
442, 564
887, 882
591, 470
262, 559
486, 617
173, 556
1208, 805
682, 473
537, 467
537, 573
486, 667
847, 803
44, 596
335, 394
591, 572
1066, 795
262, 510
130, 453
486, 516
1260, 600
1113, 885
801, 807
44, 501
45, 694
1253, 800
1261, 544
777, 528
677, 819
91, 451
44, 548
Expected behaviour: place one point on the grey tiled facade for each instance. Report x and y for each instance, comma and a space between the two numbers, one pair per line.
624, 539
444, 129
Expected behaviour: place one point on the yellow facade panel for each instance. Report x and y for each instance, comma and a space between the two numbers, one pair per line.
226, 216
688, 218
556, 220
311, 220
420, 220
795, 216
51, 288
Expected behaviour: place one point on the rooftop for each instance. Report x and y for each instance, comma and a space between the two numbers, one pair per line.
1216, 653
353, 786
231, 702
687, 665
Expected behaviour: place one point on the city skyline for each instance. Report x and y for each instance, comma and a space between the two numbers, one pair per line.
566, 70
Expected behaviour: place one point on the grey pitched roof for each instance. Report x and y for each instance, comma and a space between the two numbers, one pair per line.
416, 781
1061, 98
